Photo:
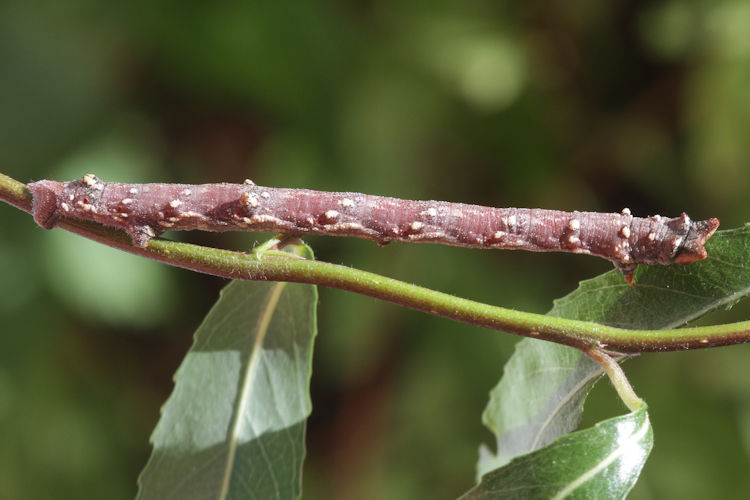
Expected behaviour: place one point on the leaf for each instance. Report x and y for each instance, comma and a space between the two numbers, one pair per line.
539, 398
601, 462
544, 385
667, 296
234, 426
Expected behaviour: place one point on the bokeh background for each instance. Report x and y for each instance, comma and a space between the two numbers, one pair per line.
586, 105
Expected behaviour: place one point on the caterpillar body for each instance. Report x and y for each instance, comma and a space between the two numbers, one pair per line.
146, 210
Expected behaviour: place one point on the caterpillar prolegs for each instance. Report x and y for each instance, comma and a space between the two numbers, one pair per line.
146, 210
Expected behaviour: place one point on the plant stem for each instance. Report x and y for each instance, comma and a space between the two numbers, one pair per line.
15, 193
279, 266
620, 382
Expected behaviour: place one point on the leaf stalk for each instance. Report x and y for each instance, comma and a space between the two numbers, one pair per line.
620, 382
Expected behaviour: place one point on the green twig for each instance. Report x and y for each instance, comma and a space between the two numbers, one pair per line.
620, 382
279, 266
15, 193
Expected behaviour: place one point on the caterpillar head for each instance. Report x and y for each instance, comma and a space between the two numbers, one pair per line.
692, 248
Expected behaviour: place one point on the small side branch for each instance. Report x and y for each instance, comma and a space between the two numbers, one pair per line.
15, 193
620, 382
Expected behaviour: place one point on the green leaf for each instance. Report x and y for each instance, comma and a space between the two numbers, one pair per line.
542, 391
667, 296
601, 462
234, 426
539, 398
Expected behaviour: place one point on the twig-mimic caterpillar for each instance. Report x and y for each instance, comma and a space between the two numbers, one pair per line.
146, 210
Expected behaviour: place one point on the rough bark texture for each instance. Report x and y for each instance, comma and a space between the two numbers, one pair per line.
146, 210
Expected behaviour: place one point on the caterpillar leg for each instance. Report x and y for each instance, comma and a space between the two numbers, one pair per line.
627, 272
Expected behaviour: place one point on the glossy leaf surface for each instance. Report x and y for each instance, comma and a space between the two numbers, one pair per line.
600, 462
541, 394
234, 426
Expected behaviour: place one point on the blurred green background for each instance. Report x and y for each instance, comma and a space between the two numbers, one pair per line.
587, 105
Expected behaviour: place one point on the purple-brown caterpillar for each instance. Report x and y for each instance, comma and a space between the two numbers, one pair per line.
146, 210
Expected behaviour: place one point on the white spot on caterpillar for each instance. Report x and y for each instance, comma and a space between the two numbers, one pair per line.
346, 226
174, 219
651, 236
165, 223
90, 180
65, 207
71, 197
574, 224
573, 239
186, 192
676, 244
127, 201
160, 214
394, 230
123, 214
265, 218
133, 191
626, 258
426, 236
499, 234
331, 215
86, 207
248, 182
430, 212
512, 220
703, 341
149, 231
625, 211
249, 200
265, 194
656, 218
625, 232
175, 203
416, 225
246, 220
346, 202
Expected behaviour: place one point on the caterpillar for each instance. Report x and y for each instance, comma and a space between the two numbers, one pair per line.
144, 211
